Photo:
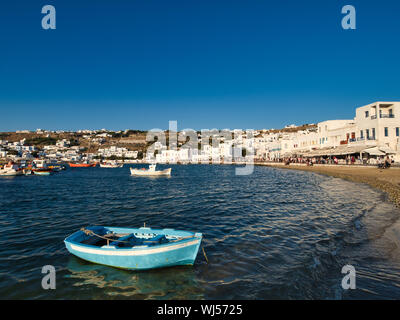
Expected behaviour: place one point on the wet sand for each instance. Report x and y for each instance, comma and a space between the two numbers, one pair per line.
387, 180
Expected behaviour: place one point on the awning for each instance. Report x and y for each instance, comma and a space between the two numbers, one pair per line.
387, 150
287, 154
374, 152
349, 150
341, 150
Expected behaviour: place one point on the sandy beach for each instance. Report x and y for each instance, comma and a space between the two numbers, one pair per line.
387, 180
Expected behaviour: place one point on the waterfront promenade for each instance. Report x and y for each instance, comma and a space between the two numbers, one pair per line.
387, 180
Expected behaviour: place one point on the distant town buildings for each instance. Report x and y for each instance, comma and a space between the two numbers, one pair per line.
374, 131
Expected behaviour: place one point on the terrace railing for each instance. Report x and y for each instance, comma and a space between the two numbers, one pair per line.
387, 115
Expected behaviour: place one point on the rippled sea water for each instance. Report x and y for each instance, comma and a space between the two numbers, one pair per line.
275, 234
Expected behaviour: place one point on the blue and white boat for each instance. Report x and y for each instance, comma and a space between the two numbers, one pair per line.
135, 248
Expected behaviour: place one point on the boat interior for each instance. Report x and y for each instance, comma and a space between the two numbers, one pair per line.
100, 236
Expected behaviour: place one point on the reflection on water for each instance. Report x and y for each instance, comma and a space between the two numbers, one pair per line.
152, 284
276, 234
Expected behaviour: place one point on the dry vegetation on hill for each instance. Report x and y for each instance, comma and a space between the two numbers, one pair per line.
134, 140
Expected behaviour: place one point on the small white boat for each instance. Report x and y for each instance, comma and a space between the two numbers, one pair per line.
111, 165
11, 169
150, 172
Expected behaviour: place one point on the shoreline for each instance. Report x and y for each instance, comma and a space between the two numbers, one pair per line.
386, 180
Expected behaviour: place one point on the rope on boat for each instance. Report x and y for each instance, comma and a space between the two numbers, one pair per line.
204, 252
91, 233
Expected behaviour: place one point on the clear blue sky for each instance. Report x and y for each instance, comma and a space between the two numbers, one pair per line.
207, 64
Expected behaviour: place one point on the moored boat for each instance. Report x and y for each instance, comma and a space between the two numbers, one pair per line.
27, 172
10, 169
111, 165
39, 164
42, 172
82, 165
151, 171
134, 248
57, 167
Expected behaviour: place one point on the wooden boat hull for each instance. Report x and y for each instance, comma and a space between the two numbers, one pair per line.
82, 165
138, 172
182, 252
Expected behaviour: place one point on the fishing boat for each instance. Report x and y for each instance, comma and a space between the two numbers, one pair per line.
42, 172
27, 172
10, 169
82, 165
150, 172
111, 165
39, 164
57, 167
134, 248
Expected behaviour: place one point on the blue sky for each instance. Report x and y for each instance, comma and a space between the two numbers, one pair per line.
207, 64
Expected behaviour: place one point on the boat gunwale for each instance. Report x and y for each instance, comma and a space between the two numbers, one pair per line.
196, 236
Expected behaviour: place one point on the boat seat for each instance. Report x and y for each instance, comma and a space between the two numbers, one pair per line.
156, 240
130, 239
135, 241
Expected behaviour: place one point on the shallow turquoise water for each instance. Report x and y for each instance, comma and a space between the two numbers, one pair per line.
275, 234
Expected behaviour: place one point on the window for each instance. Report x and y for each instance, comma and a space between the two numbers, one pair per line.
367, 132
361, 134
373, 133
366, 114
397, 131
386, 132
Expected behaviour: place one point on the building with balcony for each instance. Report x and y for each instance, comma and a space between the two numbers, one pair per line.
374, 130
378, 124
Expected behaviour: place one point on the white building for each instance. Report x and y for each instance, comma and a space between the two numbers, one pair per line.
375, 125
379, 123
